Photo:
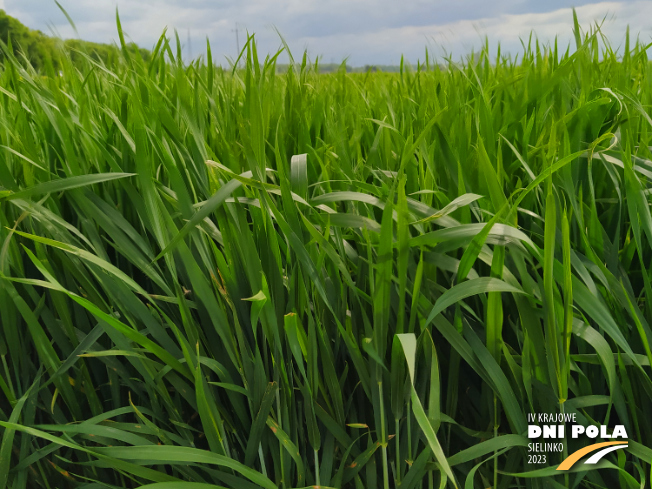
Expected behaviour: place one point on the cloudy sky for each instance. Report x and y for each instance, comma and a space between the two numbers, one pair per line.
363, 31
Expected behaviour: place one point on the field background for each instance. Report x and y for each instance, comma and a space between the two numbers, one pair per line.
239, 278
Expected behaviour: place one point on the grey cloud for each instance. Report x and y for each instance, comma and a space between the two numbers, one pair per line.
368, 31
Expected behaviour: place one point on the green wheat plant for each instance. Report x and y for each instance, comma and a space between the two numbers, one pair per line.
240, 278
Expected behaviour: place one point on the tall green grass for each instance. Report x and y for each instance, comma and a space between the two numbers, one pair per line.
234, 278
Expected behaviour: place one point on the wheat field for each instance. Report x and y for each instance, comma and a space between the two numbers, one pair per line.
239, 278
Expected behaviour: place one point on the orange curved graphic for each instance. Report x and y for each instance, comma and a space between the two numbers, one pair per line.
574, 457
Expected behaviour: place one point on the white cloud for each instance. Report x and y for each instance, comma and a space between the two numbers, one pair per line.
463, 36
613, 17
366, 31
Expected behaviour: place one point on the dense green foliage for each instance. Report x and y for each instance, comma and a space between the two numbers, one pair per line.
187, 302
44, 52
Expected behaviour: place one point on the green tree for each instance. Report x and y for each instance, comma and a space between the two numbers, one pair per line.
43, 51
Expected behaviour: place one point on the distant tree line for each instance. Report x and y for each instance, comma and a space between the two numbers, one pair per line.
44, 52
